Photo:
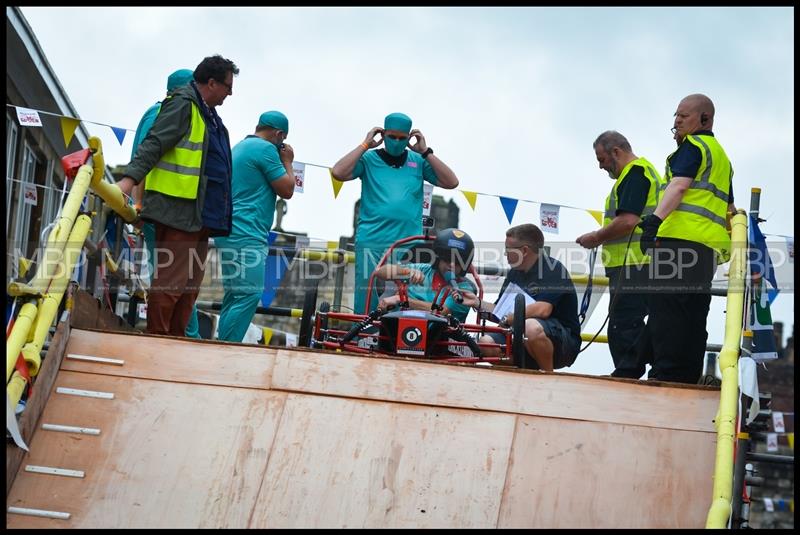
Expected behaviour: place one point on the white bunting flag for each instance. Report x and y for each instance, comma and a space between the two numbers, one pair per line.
29, 194
768, 505
777, 422
772, 441
299, 169
427, 198
28, 117
548, 215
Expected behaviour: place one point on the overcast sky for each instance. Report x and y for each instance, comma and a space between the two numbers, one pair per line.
510, 98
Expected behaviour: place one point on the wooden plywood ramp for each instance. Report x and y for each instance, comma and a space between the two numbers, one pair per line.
202, 434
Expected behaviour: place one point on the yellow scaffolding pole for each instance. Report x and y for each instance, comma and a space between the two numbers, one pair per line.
61, 253
48, 307
720, 510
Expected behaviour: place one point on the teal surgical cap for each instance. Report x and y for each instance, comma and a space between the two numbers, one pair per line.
397, 121
179, 78
275, 119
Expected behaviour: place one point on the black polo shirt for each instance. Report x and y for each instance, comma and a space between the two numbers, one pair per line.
632, 191
549, 281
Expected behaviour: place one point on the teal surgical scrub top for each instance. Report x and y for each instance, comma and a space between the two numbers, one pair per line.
391, 198
425, 291
255, 164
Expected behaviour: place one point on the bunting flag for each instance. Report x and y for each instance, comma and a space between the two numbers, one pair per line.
509, 207
119, 132
597, 215
548, 217
267, 335
28, 117
337, 184
472, 197
68, 126
760, 262
760, 323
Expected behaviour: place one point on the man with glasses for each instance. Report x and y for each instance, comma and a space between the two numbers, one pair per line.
552, 329
186, 158
391, 191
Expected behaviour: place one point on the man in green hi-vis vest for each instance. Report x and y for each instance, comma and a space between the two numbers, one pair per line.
635, 193
686, 237
186, 158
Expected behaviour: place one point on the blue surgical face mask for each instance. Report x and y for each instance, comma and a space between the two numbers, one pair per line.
395, 147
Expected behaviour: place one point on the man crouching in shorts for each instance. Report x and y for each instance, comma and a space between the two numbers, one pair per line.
552, 329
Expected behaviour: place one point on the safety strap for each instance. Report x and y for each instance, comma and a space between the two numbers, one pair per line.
587, 294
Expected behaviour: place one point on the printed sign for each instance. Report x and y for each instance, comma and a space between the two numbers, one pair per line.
548, 215
427, 198
291, 340
29, 194
141, 310
28, 117
772, 441
790, 249
299, 169
777, 422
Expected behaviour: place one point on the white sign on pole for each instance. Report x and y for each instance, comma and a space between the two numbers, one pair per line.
427, 198
29, 193
548, 215
28, 117
772, 441
777, 422
291, 340
299, 169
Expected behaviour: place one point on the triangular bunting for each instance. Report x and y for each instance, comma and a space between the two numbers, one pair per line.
337, 184
471, 198
267, 335
509, 207
68, 126
597, 215
120, 133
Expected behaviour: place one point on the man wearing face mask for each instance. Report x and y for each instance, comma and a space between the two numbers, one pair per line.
686, 237
635, 193
391, 191
262, 170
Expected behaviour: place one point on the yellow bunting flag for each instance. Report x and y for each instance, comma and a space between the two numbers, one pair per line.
68, 126
471, 198
597, 215
267, 335
337, 184
790, 438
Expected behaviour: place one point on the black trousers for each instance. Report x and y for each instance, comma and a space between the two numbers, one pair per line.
627, 309
679, 297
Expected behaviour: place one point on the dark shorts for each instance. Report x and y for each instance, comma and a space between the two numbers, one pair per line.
565, 344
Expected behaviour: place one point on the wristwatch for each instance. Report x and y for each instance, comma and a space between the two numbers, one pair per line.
427, 153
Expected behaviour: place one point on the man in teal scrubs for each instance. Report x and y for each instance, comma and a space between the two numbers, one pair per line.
391, 191
177, 79
453, 252
262, 170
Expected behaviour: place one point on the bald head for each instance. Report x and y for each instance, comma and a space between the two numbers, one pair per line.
701, 104
695, 112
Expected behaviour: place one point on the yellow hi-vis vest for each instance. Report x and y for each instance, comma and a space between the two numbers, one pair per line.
177, 173
616, 252
701, 215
